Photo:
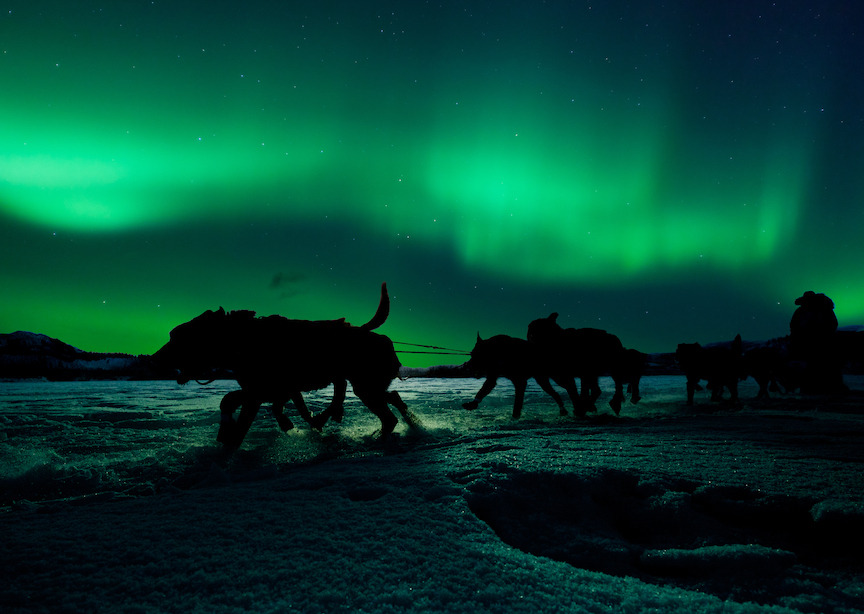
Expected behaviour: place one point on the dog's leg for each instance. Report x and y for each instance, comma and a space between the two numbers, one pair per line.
318, 421
300, 405
716, 389
590, 392
544, 383
691, 390
569, 384
519, 385
336, 409
633, 388
618, 397
277, 408
388, 420
377, 404
396, 401
595, 389
733, 389
485, 389
244, 421
230, 402
762, 380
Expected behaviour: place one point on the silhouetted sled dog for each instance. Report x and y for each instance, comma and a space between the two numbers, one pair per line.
720, 366
586, 353
274, 359
768, 366
504, 356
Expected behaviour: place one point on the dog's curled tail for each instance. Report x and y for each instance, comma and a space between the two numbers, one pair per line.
383, 311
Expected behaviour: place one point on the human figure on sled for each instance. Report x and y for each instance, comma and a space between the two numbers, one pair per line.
812, 341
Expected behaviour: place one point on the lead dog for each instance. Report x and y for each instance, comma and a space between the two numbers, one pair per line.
275, 359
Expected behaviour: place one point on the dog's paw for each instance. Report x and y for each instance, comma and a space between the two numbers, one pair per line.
284, 423
471, 405
317, 422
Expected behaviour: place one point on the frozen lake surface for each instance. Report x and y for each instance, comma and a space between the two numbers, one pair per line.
116, 497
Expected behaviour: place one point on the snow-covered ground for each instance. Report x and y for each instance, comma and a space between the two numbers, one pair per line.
116, 497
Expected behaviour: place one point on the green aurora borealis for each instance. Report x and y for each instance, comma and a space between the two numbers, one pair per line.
675, 171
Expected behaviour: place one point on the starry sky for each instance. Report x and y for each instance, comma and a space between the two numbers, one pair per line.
670, 171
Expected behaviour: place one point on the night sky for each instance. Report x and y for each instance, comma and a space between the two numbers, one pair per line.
670, 171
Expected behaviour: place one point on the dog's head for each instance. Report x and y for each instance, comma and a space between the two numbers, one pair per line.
481, 357
500, 355
196, 349
544, 330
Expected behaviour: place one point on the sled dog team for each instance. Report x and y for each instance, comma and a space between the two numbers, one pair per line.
275, 359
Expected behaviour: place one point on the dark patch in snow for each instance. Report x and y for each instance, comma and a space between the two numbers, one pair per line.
366, 493
730, 541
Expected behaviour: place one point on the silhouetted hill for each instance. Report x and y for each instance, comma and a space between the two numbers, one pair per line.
31, 355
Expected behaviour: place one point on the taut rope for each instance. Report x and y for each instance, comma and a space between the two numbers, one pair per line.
431, 347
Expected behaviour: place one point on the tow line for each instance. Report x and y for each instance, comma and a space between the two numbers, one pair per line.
431, 347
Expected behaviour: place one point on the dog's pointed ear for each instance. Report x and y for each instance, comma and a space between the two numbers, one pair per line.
553, 316
221, 311
478, 337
